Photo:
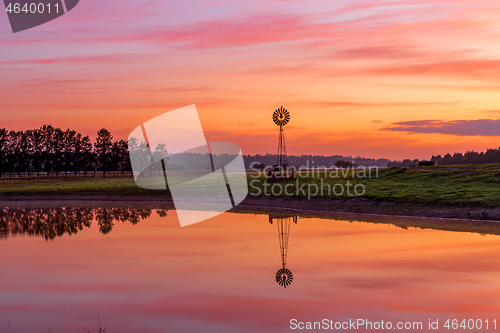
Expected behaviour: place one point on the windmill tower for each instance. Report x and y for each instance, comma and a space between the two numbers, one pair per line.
281, 117
284, 276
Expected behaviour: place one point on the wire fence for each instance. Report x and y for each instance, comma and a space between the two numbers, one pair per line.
46, 176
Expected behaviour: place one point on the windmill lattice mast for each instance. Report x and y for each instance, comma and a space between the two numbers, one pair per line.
284, 276
281, 117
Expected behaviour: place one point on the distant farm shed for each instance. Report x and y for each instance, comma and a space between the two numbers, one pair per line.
427, 163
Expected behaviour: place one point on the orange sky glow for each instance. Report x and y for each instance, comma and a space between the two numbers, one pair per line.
394, 79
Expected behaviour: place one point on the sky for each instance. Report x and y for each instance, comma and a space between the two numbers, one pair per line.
381, 79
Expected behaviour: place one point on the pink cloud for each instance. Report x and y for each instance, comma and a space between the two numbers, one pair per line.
481, 127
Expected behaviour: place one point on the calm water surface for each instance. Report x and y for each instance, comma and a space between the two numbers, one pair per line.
142, 272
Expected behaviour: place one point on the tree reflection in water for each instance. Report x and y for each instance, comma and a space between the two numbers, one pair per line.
50, 223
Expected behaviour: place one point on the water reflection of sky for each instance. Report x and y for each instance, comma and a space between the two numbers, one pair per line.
219, 276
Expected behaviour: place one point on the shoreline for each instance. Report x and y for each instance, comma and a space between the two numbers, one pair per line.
399, 216
321, 206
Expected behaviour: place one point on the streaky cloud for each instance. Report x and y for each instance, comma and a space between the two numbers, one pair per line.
478, 127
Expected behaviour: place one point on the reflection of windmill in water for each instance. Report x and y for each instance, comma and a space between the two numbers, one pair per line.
284, 276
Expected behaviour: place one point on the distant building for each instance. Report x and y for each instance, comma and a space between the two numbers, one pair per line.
427, 163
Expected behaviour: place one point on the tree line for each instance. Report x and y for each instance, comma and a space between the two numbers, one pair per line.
470, 157
53, 150
314, 161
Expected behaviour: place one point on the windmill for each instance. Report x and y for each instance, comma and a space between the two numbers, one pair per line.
284, 276
281, 117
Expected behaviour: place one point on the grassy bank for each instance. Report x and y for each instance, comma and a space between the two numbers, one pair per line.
454, 186
480, 227
71, 186
463, 185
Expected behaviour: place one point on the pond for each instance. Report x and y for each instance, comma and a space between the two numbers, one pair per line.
73, 269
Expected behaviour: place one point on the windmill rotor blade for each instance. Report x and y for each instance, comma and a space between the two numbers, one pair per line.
281, 116
284, 277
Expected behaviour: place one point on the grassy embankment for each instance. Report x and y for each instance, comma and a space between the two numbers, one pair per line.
72, 187
464, 185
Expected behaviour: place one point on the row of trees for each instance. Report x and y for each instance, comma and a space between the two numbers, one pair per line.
314, 160
470, 157
54, 150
